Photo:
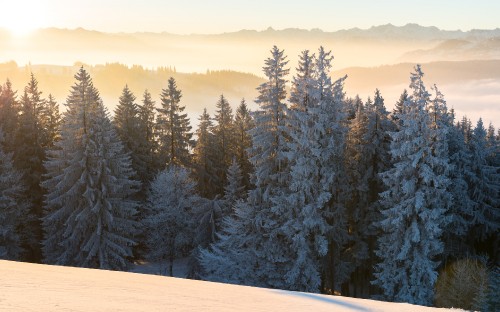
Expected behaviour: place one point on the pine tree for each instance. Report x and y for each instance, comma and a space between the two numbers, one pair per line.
306, 228
126, 122
234, 190
13, 207
51, 122
332, 122
204, 157
367, 155
398, 108
89, 214
303, 83
9, 116
29, 154
250, 249
484, 186
173, 129
461, 207
466, 127
359, 163
415, 203
243, 123
147, 145
223, 132
170, 221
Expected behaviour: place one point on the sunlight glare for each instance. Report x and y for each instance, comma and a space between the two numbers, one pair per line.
21, 17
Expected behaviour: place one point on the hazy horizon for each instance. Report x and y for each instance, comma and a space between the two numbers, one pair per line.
12, 33
64, 34
197, 16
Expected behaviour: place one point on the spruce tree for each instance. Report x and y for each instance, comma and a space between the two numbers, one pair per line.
332, 119
415, 204
170, 228
173, 129
303, 82
9, 115
147, 142
126, 122
29, 154
13, 207
89, 213
250, 249
223, 132
234, 190
398, 108
307, 198
484, 187
460, 211
204, 157
359, 167
51, 122
243, 123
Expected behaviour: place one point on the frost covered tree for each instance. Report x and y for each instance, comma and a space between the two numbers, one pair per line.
89, 215
307, 228
252, 248
29, 154
484, 187
51, 122
359, 171
415, 204
303, 83
243, 123
173, 129
204, 157
398, 108
224, 136
169, 225
9, 115
333, 119
126, 122
234, 190
366, 157
13, 207
148, 144
461, 207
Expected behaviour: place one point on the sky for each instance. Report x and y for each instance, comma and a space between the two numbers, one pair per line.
217, 16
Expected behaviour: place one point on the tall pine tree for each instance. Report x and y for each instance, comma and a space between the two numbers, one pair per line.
173, 129
484, 187
13, 207
29, 154
89, 214
415, 203
204, 157
9, 115
169, 224
252, 248
148, 144
126, 121
243, 123
223, 132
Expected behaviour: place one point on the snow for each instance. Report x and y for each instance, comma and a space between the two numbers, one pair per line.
37, 287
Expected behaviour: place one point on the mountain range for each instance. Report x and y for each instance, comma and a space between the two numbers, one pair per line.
246, 49
465, 64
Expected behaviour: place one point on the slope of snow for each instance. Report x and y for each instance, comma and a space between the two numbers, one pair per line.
35, 287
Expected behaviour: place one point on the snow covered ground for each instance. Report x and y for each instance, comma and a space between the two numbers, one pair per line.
35, 287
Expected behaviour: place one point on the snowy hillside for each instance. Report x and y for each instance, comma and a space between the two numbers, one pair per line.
35, 287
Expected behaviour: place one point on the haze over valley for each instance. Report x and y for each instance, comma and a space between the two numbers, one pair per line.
464, 65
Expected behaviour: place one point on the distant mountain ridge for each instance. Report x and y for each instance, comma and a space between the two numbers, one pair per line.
410, 30
245, 50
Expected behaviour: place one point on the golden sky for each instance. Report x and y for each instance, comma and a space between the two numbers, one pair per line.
216, 16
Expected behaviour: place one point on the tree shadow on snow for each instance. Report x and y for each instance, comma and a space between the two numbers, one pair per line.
324, 298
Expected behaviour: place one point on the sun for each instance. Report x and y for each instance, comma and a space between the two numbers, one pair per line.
21, 17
